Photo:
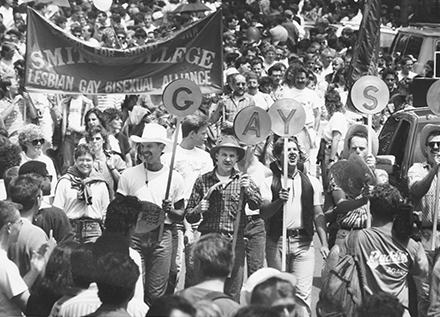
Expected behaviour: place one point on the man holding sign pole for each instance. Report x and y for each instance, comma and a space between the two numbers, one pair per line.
148, 182
423, 186
303, 202
216, 195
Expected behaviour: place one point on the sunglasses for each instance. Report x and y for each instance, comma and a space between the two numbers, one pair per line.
38, 141
433, 144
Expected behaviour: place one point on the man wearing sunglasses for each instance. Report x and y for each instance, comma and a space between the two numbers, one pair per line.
422, 180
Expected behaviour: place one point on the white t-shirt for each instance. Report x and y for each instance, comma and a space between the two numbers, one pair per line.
294, 208
190, 164
134, 182
139, 290
307, 98
11, 285
338, 122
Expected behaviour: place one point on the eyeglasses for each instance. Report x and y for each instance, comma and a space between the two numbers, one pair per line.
38, 141
433, 144
50, 177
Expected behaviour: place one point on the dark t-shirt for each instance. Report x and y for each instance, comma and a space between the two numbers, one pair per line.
194, 294
124, 145
386, 261
53, 218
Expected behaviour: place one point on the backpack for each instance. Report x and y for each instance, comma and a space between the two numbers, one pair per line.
343, 288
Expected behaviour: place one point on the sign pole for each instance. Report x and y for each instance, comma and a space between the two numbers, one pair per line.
251, 126
370, 95
433, 101
288, 119
284, 239
173, 157
181, 98
436, 206
369, 144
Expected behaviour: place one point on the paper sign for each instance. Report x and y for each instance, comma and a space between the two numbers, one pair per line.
182, 97
252, 125
288, 117
150, 217
433, 97
370, 94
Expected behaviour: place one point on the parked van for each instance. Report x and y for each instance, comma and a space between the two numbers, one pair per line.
419, 40
400, 140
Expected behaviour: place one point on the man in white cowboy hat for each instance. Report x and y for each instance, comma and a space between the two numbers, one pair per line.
216, 196
148, 181
352, 212
422, 180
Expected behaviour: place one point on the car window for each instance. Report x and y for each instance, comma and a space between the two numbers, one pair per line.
398, 148
414, 46
437, 46
386, 135
400, 44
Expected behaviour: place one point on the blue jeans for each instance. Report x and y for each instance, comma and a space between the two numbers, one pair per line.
255, 235
300, 262
190, 279
156, 260
85, 231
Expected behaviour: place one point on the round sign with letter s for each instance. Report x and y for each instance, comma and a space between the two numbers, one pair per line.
370, 94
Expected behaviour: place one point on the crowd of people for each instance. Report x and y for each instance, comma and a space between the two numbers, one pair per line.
94, 223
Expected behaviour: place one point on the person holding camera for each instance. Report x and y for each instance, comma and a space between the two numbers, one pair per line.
422, 180
386, 257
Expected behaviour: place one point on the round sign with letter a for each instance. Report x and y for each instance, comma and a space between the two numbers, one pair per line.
370, 94
252, 125
288, 117
433, 97
182, 97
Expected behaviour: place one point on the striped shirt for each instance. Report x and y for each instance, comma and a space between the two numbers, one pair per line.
87, 301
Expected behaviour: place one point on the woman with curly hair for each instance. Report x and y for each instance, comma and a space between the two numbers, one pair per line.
109, 165
333, 134
32, 141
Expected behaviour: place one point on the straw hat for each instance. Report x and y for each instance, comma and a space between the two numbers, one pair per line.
424, 134
154, 132
356, 128
227, 142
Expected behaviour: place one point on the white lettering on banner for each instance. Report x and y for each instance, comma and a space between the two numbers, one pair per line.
51, 58
129, 86
89, 87
50, 80
192, 55
201, 78
140, 50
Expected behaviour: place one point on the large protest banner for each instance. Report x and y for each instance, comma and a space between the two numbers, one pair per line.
58, 62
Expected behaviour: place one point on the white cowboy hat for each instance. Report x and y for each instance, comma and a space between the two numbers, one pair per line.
154, 132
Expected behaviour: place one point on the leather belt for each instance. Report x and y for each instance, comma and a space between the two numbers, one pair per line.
253, 218
296, 232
